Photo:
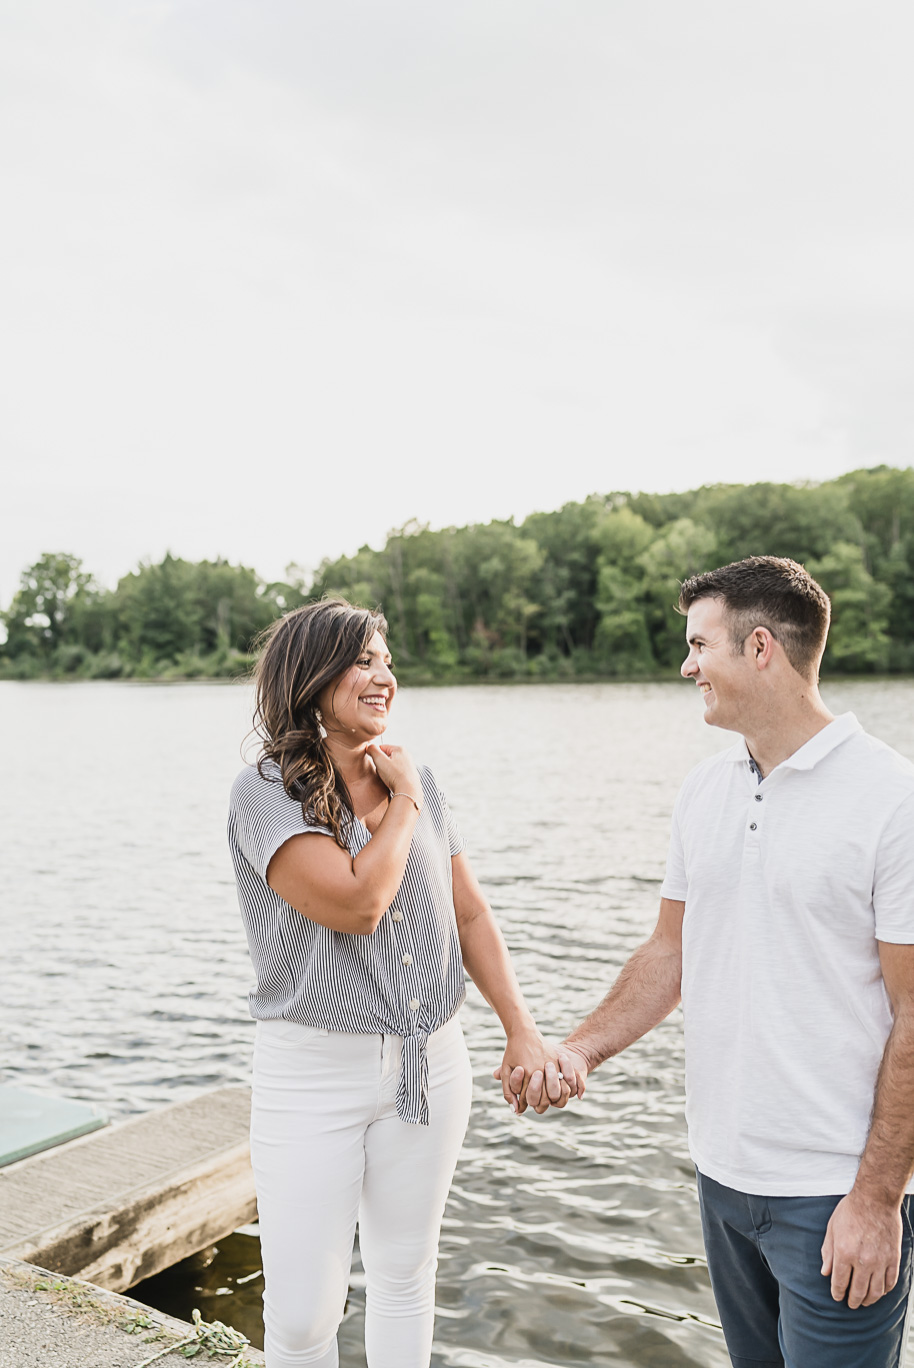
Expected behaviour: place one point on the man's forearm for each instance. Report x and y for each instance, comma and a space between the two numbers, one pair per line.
888, 1158
646, 991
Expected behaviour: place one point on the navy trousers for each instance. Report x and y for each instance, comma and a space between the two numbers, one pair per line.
764, 1257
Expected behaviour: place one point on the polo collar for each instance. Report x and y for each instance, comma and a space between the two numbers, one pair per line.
814, 750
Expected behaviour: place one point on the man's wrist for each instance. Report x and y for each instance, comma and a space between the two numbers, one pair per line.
877, 1193
584, 1047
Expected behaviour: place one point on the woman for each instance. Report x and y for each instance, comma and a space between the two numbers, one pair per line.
361, 912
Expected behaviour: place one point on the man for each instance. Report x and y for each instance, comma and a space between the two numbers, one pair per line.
787, 926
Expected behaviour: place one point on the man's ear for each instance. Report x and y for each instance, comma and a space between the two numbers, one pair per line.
761, 646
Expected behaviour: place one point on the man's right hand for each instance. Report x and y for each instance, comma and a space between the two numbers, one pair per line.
861, 1253
545, 1087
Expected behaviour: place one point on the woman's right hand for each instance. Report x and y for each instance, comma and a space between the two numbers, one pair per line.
396, 768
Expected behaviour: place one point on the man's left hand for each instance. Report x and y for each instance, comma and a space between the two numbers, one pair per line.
861, 1252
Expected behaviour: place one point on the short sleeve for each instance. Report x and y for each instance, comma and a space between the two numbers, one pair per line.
262, 817
455, 840
675, 884
444, 816
893, 882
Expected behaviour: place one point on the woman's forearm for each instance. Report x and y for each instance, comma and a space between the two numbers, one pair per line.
327, 885
487, 961
378, 869
485, 954
486, 958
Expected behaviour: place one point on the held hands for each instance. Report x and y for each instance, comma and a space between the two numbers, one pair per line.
540, 1075
397, 770
544, 1087
861, 1253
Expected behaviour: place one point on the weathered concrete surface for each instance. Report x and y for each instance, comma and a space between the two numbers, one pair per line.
47, 1321
121, 1204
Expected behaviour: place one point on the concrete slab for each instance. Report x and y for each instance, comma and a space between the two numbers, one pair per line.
123, 1203
47, 1321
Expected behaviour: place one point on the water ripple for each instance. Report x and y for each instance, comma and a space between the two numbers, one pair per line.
568, 1240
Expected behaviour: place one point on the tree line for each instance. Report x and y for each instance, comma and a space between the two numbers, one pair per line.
588, 590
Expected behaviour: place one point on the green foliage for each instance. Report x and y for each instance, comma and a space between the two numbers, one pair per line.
857, 639
172, 620
45, 612
177, 609
588, 590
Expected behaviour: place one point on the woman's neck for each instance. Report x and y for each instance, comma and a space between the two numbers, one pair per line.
350, 758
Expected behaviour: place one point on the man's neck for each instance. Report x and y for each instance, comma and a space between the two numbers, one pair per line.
773, 739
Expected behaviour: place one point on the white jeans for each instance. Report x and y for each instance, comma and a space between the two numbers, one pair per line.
328, 1149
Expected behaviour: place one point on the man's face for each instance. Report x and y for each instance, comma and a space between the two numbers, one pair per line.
726, 680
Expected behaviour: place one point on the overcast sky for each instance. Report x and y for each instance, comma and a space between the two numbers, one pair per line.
280, 276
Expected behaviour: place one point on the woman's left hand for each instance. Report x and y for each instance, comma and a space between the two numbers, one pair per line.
526, 1050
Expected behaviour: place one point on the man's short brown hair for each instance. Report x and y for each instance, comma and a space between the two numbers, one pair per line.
771, 592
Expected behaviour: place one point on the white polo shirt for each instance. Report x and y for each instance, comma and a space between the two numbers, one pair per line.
788, 886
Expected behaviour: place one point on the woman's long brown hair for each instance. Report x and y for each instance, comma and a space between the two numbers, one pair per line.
301, 654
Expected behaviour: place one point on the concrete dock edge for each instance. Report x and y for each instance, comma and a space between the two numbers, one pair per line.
51, 1321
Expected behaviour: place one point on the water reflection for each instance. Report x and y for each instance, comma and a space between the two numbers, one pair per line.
569, 1239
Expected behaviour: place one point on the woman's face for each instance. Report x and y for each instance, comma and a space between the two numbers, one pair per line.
357, 704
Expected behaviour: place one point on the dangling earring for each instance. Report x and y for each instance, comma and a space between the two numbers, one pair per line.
321, 729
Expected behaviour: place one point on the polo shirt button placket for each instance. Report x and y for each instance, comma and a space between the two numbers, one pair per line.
753, 825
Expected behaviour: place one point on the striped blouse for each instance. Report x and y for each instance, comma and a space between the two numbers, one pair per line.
405, 979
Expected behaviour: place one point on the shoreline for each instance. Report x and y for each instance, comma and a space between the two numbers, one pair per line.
405, 681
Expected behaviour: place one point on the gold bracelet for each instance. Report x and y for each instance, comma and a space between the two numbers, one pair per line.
413, 800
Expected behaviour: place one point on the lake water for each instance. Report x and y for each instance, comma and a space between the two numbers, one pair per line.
570, 1239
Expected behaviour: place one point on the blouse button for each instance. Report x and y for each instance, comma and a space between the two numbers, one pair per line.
407, 959
414, 1004
752, 826
397, 916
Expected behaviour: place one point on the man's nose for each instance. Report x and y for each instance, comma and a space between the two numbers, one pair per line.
688, 666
